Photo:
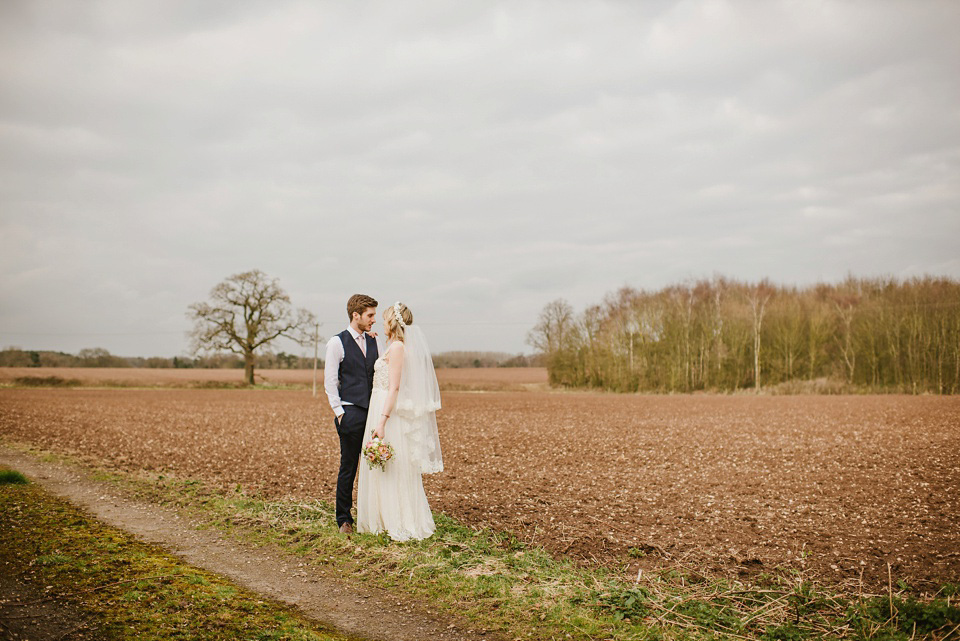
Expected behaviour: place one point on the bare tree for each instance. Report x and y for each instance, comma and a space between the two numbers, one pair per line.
786, 321
719, 286
245, 312
846, 307
819, 327
591, 326
758, 296
554, 327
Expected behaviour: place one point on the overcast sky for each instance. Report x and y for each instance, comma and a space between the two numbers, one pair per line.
473, 159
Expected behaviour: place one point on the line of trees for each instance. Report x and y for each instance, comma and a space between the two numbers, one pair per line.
461, 359
875, 334
87, 357
100, 357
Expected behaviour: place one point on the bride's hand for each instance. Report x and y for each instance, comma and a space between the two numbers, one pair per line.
379, 431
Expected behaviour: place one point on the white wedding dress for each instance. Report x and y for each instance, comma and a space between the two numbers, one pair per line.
392, 500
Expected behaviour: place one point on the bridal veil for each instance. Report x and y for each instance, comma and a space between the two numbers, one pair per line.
418, 400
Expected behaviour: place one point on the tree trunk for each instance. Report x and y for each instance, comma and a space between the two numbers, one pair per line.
759, 304
756, 359
248, 367
846, 344
956, 357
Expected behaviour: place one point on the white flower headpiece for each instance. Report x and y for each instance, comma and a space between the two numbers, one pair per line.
398, 316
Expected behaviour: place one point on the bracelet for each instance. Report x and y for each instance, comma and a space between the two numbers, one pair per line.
387, 415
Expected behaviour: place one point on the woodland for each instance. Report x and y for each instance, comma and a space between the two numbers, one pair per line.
720, 334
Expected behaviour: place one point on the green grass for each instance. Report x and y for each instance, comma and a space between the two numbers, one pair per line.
127, 589
12, 477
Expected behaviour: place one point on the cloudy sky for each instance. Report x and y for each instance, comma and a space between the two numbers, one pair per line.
474, 159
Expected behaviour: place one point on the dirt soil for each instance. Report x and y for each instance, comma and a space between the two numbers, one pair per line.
27, 614
361, 612
837, 485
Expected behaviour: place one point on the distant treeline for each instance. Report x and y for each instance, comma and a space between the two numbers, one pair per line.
99, 357
485, 359
867, 334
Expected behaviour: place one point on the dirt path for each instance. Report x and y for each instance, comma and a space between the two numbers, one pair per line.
362, 612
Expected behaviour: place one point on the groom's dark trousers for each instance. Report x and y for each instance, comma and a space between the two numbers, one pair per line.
355, 377
350, 429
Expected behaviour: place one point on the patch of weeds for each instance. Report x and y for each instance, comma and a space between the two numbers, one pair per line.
216, 385
196, 579
805, 600
12, 477
907, 617
785, 632
225, 591
625, 603
133, 596
710, 614
784, 609
46, 381
53, 559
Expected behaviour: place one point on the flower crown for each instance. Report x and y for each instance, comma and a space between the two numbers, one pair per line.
398, 316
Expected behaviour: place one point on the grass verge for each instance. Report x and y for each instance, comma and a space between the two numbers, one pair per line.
126, 589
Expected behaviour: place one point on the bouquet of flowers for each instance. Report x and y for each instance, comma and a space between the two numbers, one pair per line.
377, 453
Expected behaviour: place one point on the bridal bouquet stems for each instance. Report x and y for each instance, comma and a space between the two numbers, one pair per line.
377, 453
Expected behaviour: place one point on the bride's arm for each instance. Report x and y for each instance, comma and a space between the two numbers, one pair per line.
396, 371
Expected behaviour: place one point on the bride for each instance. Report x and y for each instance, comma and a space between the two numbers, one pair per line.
402, 412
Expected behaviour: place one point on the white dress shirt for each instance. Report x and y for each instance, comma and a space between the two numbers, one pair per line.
331, 368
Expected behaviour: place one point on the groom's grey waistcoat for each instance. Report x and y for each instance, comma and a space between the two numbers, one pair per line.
356, 370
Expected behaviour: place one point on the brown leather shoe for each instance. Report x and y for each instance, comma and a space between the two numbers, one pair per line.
346, 528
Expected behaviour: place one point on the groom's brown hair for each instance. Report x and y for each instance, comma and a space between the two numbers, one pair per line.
359, 303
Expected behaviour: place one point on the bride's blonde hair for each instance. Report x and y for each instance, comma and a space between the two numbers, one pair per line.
394, 328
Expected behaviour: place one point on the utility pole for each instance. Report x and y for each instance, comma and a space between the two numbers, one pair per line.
316, 348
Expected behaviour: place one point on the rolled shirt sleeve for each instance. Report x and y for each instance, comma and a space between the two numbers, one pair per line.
331, 379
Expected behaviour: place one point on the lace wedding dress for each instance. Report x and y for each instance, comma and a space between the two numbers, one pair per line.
392, 500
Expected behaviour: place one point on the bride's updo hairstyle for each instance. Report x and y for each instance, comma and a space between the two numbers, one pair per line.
396, 326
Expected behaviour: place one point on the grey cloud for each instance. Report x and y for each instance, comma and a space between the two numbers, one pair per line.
478, 159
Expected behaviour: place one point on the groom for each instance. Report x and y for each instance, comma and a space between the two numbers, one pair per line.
348, 381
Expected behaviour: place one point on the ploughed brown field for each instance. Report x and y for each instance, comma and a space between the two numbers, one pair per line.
840, 485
